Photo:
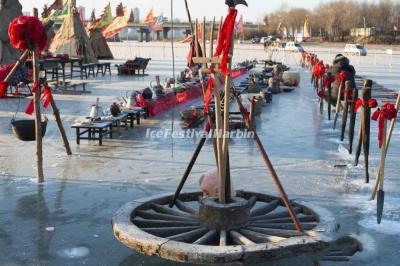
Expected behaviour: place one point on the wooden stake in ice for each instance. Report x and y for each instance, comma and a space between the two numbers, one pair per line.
338, 103
388, 139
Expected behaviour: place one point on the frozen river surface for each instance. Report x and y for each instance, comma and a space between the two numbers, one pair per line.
66, 221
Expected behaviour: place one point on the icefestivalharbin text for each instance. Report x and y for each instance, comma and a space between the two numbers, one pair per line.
195, 134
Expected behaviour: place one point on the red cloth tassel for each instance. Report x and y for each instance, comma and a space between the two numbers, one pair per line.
46, 96
207, 128
36, 85
225, 40
321, 94
387, 111
30, 108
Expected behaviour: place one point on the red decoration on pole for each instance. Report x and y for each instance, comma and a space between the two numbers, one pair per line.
329, 81
343, 75
3, 89
208, 93
387, 111
372, 103
225, 40
26, 32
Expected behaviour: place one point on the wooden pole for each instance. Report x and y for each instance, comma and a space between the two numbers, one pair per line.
329, 96
56, 113
189, 17
338, 103
269, 165
346, 109
388, 140
38, 118
381, 194
20, 62
353, 117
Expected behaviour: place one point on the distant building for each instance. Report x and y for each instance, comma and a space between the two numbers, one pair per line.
136, 14
363, 32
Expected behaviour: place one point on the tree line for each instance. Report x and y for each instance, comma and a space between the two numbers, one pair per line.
334, 20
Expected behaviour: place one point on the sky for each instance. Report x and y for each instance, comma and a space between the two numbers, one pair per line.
199, 8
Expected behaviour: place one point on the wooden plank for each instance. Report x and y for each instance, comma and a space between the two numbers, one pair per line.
206, 60
265, 208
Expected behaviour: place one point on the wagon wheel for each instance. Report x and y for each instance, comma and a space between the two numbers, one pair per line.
269, 221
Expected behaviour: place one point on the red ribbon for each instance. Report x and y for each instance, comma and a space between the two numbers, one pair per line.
328, 81
243, 110
372, 103
321, 94
36, 85
225, 40
208, 93
207, 127
46, 96
387, 111
343, 75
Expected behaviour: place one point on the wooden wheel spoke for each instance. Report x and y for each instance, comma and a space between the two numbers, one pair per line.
275, 215
252, 201
301, 218
265, 208
169, 231
207, 238
189, 236
276, 232
162, 216
289, 226
185, 208
240, 239
222, 238
259, 237
167, 210
162, 223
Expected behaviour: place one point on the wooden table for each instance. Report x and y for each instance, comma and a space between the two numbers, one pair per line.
116, 121
102, 128
133, 114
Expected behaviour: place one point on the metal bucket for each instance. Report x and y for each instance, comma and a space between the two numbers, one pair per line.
25, 129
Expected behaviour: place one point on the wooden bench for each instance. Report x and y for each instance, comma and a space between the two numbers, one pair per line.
102, 129
88, 69
103, 68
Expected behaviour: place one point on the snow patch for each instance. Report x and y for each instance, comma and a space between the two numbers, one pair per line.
74, 253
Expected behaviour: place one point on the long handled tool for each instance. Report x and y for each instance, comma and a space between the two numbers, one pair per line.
388, 139
353, 117
381, 193
345, 109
